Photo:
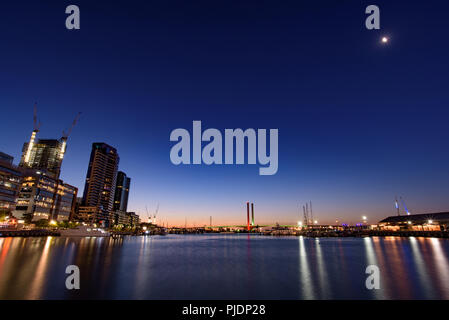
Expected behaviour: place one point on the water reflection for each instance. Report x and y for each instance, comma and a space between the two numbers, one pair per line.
36, 286
442, 267
421, 268
305, 275
224, 267
322, 273
371, 259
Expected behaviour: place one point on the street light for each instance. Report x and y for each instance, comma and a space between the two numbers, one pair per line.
430, 221
299, 223
315, 222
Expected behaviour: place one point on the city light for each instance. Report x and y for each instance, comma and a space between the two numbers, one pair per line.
30, 147
315, 222
62, 151
53, 222
299, 223
430, 221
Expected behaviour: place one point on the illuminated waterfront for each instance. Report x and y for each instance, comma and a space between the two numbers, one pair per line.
224, 267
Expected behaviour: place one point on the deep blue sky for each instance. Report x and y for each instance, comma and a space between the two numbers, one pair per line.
359, 122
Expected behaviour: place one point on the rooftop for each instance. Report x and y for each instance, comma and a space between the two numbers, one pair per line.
423, 217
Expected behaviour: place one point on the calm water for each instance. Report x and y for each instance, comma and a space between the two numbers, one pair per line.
224, 267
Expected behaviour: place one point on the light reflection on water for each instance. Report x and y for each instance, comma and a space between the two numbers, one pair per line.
224, 267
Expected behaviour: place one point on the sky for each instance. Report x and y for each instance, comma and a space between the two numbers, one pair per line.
359, 122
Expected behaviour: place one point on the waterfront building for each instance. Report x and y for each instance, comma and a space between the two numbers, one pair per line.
44, 155
10, 181
134, 219
417, 222
121, 195
121, 192
43, 197
65, 202
86, 214
121, 218
99, 189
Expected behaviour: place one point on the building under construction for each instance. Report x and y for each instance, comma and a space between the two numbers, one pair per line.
42, 194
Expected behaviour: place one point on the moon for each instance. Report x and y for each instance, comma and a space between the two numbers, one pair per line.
385, 39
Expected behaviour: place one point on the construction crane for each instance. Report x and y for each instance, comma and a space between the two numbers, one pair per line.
66, 134
36, 125
311, 213
155, 213
306, 218
149, 216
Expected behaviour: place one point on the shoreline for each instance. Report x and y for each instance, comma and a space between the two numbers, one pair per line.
275, 233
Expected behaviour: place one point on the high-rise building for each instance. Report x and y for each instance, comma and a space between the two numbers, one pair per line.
44, 155
44, 197
42, 194
121, 192
99, 190
10, 180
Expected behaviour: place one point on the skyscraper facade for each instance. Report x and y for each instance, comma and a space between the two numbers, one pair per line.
121, 192
10, 180
44, 197
101, 179
121, 199
44, 155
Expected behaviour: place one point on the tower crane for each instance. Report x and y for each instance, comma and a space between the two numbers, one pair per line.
36, 125
149, 216
155, 213
66, 134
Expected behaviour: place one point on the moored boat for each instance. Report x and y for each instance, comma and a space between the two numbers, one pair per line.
84, 231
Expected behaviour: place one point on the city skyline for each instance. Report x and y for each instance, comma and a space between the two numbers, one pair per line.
357, 127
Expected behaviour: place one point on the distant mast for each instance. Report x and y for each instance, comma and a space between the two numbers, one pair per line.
396, 205
247, 215
252, 214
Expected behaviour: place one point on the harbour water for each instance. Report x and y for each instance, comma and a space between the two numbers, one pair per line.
224, 267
